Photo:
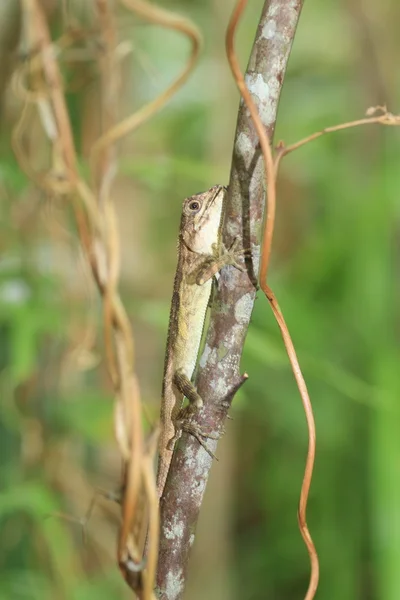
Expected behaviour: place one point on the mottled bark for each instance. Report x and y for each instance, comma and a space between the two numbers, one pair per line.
219, 377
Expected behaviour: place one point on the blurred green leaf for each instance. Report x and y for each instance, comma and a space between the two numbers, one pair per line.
89, 414
25, 585
31, 498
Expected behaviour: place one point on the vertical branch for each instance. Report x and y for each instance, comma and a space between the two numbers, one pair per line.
219, 376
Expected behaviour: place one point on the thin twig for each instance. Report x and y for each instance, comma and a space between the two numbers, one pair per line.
167, 19
386, 118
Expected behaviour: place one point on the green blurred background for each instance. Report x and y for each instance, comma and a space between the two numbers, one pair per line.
335, 272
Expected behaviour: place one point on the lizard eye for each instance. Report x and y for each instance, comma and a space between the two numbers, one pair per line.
194, 206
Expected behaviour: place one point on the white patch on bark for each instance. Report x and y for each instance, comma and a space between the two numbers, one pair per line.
244, 148
204, 459
221, 388
264, 93
174, 585
190, 457
209, 355
175, 531
257, 86
290, 17
269, 29
233, 228
243, 308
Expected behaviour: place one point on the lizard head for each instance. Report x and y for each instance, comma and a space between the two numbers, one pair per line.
201, 218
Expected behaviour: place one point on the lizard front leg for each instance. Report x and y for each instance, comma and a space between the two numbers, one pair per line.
220, 258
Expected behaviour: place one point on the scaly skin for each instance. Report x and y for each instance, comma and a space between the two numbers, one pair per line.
199, 237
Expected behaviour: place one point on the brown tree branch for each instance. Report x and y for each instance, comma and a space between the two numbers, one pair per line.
219, 375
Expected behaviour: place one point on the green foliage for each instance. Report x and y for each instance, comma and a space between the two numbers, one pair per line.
335, 273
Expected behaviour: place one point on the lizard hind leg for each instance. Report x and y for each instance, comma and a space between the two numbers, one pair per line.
182, 421
186, 387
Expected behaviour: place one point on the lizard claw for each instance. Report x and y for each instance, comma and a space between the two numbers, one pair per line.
220, 258
196, 432
200, 436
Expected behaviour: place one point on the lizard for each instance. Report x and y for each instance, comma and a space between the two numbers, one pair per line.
201, 255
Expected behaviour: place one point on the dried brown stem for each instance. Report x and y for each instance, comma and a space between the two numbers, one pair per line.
308, 471
270, 174
98, 232
167, 19
386, 118
269, 219
102, 250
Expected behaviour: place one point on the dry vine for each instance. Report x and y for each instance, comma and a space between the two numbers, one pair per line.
39, 84
271, 173
265, 258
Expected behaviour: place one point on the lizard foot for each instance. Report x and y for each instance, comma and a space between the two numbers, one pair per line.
200, 436
229, 255
220, 258
183, 423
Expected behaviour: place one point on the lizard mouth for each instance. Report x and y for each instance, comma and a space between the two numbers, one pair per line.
217, 191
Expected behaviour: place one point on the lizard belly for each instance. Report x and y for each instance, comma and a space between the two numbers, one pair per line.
187, 343
190, 326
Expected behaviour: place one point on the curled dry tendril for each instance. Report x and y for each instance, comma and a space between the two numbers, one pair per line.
98, 233
374, 115
270, 173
